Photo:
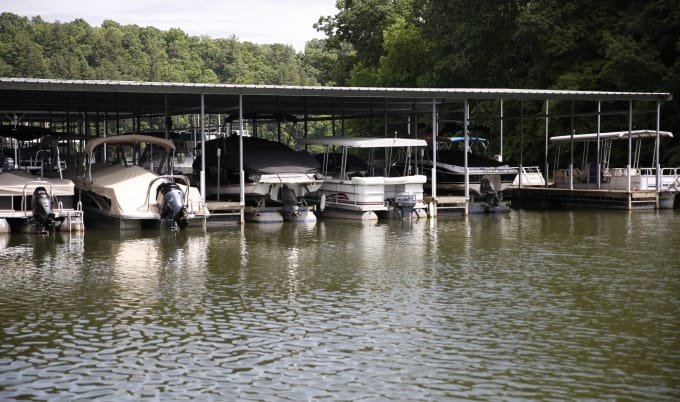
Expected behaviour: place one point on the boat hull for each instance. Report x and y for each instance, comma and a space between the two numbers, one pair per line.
668, 199
338, 213
303, 214
371, 198
101, 219
71, 221
454, 183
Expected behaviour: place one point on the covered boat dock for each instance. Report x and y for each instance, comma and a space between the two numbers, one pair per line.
86, 106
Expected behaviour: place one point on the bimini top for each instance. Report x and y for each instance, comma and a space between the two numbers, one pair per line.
129, 139
364, 142
611, 135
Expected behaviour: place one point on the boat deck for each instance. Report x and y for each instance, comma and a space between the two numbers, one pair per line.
73, 220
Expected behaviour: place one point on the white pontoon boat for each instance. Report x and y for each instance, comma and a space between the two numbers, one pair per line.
33, 203
377, 190
590, 175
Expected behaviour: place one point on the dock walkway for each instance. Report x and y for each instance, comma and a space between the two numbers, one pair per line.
583, 198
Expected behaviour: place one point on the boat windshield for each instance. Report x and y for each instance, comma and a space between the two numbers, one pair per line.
476, 145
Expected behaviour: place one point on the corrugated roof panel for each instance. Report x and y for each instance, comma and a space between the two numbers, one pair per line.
126, 98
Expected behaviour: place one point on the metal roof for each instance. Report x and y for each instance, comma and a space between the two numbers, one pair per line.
364, 142
43, 98
611, 135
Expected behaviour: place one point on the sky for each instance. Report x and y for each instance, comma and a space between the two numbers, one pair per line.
259, 21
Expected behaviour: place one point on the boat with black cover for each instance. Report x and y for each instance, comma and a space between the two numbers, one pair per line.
487, 177
276, 177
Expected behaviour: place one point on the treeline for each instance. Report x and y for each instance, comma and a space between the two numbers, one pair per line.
75, 50
609, 45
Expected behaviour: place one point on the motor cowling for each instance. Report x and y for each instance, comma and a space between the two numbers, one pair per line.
41, 206
170, 198
6, 163
404, 204
488, 192
289, 201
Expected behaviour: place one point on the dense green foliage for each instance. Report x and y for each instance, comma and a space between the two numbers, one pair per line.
76, 50
612, 45
609, 45
603, 45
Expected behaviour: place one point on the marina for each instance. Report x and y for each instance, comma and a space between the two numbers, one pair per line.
239, 187
340, 201
443, 294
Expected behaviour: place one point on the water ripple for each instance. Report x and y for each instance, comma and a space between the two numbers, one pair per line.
524, 306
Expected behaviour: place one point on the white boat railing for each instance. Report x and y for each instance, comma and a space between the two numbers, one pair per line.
642, 178
529, 176
201, 208
36, 184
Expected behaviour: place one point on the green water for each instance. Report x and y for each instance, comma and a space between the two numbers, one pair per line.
520, 306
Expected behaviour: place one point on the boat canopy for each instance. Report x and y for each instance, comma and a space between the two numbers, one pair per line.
364, 142
612, 135
129, 139
18, 183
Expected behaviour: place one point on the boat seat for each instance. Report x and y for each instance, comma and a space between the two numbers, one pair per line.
367, 180
406, 179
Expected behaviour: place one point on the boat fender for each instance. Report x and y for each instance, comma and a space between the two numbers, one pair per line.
322, 202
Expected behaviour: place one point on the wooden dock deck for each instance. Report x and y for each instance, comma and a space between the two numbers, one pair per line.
444, 204
551, 197
223, 212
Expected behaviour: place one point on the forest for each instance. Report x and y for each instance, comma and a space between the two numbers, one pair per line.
608, 45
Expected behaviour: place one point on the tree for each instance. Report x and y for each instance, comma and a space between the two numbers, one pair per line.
360, 24
407, 55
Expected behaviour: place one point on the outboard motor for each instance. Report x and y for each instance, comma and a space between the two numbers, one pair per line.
488, 193
289, 201
170, 200
404, 204
6, 163
41, 205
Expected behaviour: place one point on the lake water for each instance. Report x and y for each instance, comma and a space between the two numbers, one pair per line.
528, 305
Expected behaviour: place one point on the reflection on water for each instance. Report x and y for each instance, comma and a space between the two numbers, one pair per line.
524, 306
